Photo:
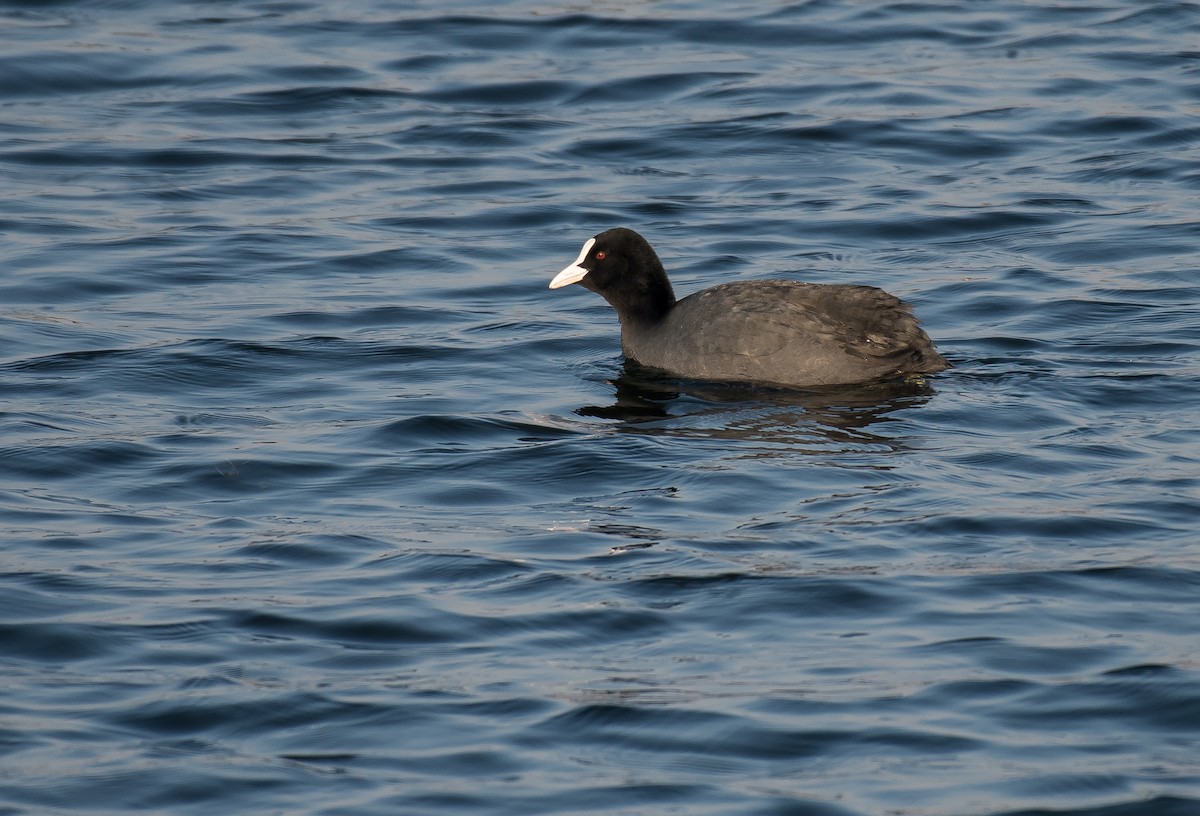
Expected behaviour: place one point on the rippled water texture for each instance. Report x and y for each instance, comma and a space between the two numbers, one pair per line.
315, 500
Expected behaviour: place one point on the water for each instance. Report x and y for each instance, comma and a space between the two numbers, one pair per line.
315, 500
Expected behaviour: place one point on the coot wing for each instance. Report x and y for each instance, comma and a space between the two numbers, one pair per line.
785, 331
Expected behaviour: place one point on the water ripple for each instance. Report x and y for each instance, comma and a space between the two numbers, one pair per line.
316, 500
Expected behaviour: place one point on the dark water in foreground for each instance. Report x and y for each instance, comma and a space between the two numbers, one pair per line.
315, 500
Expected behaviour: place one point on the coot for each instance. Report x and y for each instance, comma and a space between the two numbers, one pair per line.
769, 331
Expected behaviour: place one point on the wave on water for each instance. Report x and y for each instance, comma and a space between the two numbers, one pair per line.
315, 499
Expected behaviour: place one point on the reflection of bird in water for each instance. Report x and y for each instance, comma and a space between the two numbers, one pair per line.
832, 414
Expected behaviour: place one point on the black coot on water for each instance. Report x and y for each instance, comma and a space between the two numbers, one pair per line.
768, 331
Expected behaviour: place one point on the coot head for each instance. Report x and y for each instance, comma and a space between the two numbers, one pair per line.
622, 267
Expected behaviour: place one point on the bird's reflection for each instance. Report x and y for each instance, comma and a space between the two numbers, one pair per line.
650, 402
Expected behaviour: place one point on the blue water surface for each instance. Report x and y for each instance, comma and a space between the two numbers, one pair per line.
315, 500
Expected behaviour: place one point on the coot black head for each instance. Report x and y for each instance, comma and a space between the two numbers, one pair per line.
622, 267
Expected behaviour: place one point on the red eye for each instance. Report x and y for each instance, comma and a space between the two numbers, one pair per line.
600, 255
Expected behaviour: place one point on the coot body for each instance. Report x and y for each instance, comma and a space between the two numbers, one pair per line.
769, 331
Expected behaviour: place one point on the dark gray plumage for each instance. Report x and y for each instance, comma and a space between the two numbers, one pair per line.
769, 331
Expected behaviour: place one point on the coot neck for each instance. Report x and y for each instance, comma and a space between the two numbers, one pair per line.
643, 298
647, 312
